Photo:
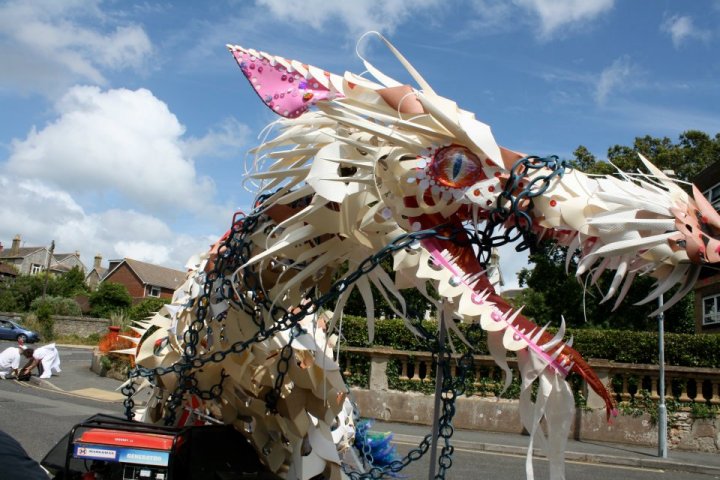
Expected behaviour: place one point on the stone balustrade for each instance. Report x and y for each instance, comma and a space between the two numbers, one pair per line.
684, 384
378, 377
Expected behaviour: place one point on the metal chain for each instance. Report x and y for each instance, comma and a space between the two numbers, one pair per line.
517, 207
129, 392
236, 250
452, 387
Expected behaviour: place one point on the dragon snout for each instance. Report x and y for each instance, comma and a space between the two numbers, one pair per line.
698, 225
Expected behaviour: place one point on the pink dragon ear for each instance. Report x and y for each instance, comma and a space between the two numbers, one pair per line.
287, 87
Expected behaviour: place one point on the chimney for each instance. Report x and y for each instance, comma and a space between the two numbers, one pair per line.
98, 261
15, 250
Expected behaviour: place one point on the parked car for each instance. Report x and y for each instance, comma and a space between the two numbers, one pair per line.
11, 330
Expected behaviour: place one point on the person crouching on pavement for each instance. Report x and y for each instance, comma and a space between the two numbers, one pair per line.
10, 360
46, 359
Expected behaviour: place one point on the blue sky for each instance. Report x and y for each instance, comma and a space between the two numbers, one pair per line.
124, 125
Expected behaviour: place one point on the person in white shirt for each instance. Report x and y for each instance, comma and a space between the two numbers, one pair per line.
47, 359
10, 360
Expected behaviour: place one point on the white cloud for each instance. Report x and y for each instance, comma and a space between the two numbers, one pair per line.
113, 173
358, 15
224, 140
554, 14
120, 142
46, 45
612, 78
492, 16
41, 213
682, 29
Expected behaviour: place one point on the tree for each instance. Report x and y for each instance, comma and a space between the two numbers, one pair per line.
18, 294
71, 283
109, 298
693, 152
552, 294
57, 305
26, 288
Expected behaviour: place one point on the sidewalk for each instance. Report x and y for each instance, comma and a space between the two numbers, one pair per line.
578, 451
77, 379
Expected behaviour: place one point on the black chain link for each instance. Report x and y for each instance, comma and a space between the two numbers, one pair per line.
518, 206
236, 250
452, 388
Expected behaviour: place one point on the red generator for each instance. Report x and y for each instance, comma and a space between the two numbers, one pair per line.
104, 447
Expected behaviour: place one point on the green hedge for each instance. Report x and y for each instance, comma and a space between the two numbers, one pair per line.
615, 345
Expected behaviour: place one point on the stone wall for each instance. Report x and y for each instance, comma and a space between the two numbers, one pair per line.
688, 433
502, 415
80, 326
15, 317
63, 325
476, 413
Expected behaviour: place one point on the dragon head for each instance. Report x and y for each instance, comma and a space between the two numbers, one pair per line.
422, 162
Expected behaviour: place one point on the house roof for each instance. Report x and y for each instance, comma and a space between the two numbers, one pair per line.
151, 274
60, 267
21, 252
64, 256
100, 272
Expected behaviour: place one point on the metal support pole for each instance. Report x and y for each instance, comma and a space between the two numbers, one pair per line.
662, 410
438, 394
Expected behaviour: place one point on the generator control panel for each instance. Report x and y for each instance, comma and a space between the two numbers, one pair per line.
125, 454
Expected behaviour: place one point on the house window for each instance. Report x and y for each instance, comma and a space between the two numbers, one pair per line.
711, 310
713, 194
35, 268
154, 291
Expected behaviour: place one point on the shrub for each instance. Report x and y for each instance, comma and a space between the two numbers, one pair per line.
120, 319
30, 321
681, 349
57, 305
44, 312
146, 308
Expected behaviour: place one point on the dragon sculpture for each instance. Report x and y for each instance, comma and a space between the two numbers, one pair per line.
363, 171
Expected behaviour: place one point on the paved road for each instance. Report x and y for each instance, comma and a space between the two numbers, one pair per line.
470, 464
39, 417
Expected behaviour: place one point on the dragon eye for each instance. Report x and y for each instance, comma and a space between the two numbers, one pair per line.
456, 167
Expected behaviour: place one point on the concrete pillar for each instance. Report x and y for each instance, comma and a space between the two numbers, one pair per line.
378, 372
602, 369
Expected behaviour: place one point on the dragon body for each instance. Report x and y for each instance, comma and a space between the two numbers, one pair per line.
367, 170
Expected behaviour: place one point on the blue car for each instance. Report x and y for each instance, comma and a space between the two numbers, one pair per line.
10, 330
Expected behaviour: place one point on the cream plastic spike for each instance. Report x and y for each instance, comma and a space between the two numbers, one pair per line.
354, 165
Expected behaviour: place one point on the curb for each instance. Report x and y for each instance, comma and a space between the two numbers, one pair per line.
82, 347
592, 458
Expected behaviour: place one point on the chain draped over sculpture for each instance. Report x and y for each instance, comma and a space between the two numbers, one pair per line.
362, 172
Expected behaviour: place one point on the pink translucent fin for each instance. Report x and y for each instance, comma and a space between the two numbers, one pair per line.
289, 92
